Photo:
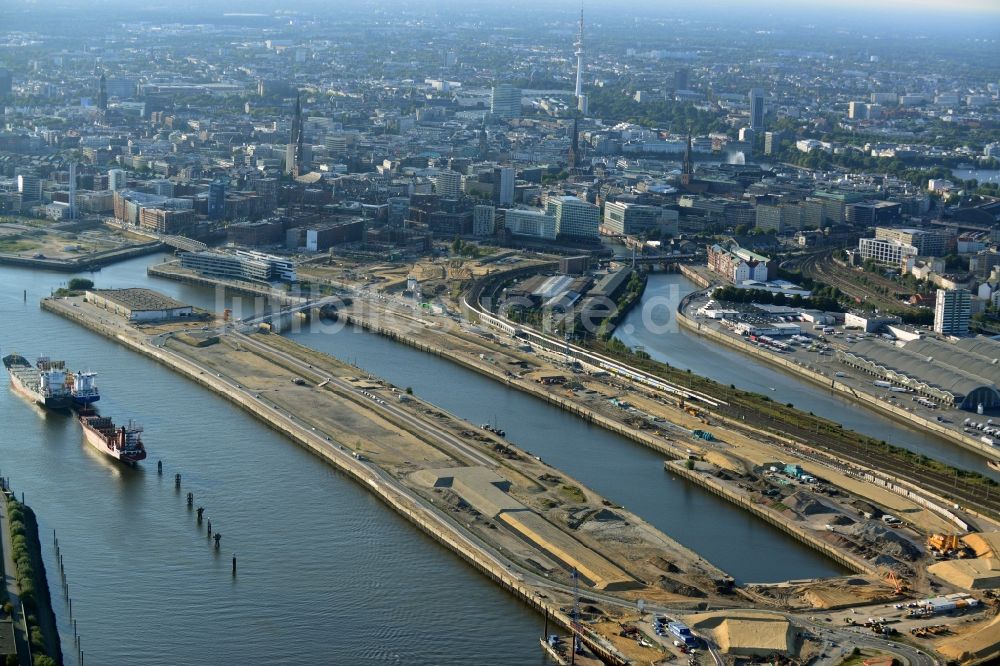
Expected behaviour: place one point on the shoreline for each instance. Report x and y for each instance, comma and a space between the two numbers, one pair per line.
88, 263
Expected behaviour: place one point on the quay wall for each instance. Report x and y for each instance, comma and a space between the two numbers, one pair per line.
85, 263
772, 517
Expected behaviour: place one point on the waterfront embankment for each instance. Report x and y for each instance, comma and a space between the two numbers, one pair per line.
38, 639
772, 517
90, 262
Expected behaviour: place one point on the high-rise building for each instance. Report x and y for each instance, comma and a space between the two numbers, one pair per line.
505, 101
29, 185
757, 109
682, 78
632, 219
857, 111
116, 179
573, 157
72, 190
951, 311
534, 223
121, 87
503, 186
217, 200
483, 220
267, 189
102, 93
6, 84
575, 219
772, 142
447, 184
399, 211
293, 151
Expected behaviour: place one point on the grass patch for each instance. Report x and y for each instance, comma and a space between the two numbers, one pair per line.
17, 245
572, 493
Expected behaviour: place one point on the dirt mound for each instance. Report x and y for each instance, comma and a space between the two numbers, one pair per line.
665, 565
886, 541
676, 587
807, 505
605, 515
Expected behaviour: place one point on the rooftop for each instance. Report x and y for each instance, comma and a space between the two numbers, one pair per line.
138, 299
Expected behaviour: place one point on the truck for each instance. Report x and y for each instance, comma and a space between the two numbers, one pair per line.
882, 384
681, 631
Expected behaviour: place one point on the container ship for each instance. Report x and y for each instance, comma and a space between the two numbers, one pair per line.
46, 383
120, 442
83, 386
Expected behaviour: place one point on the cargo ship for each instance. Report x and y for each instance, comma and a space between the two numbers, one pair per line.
84, 388
119, 442
46, 383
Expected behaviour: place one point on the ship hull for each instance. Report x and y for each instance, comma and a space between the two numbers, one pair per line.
52, 402
94, 439
85, 400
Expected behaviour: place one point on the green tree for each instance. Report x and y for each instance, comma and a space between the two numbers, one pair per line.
81, 284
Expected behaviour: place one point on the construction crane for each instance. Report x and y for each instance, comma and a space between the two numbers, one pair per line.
899, 586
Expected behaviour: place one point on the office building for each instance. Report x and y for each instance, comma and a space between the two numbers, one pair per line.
772, 142
29, 186
621, 218
102, 93
120, 88
216, 200
117, 180
757, 110
886, 252
447, 184
267, 190
779, 218
534, 223
293, 151
928, 243
240, 265
503, 186
399, 211
6, 84
483, 220
575, 219
951, 311
506, 101
682, 78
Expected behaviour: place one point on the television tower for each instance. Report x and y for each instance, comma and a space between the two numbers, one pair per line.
581, 100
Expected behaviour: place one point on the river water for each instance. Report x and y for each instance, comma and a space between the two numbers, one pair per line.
652, 325
327, 573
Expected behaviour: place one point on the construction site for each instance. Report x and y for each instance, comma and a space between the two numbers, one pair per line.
550, 525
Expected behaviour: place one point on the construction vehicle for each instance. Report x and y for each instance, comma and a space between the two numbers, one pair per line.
943, 542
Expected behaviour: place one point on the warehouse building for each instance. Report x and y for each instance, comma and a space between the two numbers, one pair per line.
138, 305
950, 374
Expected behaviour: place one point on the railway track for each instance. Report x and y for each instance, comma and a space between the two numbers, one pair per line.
982, 497
855, 450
